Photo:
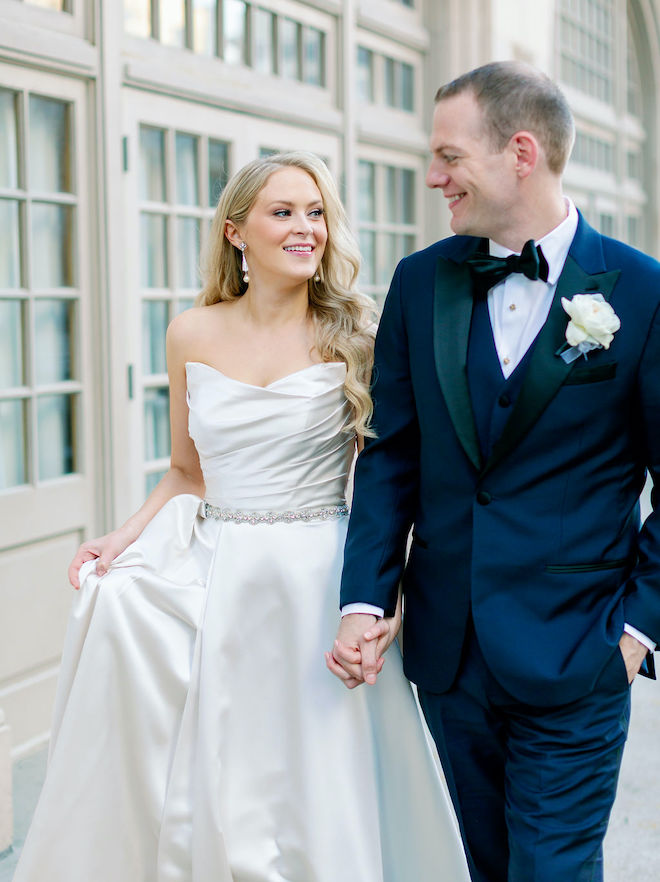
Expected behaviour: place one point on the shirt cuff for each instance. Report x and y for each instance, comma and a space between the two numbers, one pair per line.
366, 608
648, 643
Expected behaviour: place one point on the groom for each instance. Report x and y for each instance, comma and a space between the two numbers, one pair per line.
514, 440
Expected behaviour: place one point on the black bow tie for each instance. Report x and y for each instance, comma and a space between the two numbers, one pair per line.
487, 271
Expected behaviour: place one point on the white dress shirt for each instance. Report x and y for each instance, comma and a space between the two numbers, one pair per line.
518, 308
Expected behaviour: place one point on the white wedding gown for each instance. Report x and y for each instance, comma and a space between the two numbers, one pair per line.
198, 736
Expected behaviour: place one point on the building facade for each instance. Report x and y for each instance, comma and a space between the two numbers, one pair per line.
119, 125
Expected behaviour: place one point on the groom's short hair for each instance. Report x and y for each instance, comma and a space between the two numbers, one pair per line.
516, 97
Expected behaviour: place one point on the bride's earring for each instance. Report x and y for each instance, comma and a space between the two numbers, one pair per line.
317, 274
244, 266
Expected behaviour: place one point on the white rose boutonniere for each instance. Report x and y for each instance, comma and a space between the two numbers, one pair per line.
592, 325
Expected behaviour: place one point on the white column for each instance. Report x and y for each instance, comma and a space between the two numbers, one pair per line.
6, 812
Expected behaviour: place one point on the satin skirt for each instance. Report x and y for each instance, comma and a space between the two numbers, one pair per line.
198, 736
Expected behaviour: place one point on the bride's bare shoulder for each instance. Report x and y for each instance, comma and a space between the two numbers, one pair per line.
195, 327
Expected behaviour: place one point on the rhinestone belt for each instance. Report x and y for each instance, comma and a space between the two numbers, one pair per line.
274, 517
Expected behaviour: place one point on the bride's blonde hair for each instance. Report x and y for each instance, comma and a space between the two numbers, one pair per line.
344, 319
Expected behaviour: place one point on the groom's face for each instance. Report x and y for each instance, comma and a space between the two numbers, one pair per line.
479, 182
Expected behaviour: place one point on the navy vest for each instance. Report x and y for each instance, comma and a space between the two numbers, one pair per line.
491, 394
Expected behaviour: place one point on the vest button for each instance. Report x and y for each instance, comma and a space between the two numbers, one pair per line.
504, 400
484, 498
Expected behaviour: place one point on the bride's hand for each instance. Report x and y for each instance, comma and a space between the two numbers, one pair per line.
105, 549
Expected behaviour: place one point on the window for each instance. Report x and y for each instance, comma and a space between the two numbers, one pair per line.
387, 221
181, 176
39, 299
593, 152
264, 29
601, 65
399, 85
633, 230
587, 46
607, 224
385, 80
238, 31
365, 74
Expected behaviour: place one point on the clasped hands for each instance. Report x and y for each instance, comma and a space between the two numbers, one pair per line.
358, 653
357, 656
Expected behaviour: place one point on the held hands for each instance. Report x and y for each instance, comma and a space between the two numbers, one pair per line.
357, 656
105, 549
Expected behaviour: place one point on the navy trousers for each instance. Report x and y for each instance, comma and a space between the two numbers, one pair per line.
533, 787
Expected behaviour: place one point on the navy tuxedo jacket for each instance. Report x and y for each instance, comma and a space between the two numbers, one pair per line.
541, 541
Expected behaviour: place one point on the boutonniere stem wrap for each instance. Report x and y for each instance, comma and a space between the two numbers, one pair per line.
593, 324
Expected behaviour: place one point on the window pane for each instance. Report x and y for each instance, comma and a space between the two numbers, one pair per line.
155, 317
235, 31
152, 164
368, 252
187, 252
400, 195
634, 226
153, 251
52, 245
365, 74
263, 26
55, 436
50, 159
313, 60
10, 258
53, 326
290, 49
407, 196
366, 191
388, 257
187, 190
156, 423
407, 87
8, 140
13, 470
390, 82
392, 180
172, 22
11, 343
204, 23
137, 17
218, 169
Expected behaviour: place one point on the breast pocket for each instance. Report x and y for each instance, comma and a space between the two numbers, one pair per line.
591, 374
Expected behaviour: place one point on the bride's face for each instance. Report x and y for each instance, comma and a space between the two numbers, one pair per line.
285, 231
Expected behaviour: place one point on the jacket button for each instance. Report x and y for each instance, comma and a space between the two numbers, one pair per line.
504, 400
484, 498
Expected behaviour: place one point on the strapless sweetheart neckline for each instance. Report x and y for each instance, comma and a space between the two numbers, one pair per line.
318, 364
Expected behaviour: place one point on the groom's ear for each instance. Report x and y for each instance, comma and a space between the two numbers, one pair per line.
526, 153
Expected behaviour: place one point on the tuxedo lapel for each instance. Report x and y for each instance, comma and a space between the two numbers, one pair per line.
547, 371
452, 312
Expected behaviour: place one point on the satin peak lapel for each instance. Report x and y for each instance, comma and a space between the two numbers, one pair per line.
452, 313
547, 371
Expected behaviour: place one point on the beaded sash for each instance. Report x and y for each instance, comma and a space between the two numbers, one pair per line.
274, 517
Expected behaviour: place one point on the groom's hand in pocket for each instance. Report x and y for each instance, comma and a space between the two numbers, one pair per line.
354, 658
633, 653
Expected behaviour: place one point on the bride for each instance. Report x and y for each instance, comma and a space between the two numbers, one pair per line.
198, 736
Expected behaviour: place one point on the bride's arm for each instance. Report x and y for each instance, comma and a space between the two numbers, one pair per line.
183, 476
